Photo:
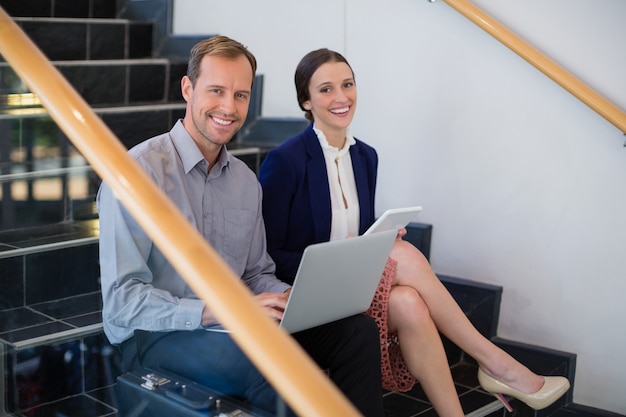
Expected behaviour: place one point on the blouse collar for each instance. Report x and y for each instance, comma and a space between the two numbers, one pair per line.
327, 147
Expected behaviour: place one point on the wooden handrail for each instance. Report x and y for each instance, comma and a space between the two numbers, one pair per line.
281, 360
565, 79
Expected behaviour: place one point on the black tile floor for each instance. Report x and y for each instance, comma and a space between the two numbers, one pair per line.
18, 326
75, 376
93, 395
473, 399
91, 404
101, 402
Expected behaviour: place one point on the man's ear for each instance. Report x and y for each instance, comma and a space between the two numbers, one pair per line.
186, 87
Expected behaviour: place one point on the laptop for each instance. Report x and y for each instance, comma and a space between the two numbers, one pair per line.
336, 279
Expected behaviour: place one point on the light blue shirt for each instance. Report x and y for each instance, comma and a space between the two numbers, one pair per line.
140, 288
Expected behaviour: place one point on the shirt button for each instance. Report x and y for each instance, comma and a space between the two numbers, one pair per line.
188, 324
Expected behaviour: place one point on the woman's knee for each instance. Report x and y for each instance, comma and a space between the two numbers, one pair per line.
406, 305
408, 256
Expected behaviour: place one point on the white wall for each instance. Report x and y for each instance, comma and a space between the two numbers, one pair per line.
524, 185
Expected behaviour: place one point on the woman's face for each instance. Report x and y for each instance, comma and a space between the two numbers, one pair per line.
333, 97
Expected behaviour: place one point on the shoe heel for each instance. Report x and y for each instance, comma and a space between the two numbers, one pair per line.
504, 402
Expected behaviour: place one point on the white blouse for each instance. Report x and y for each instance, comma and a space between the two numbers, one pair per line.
343, 195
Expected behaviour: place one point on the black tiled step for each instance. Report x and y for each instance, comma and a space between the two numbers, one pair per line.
399, 405
47, 235
71, 378
95, 8
67, 309
131, 124
38, 331
63, 265
576, 410
61, 273
107, 83
20, 318
544, 361
80, 405
265, 133
133, 127
48, 320
481, 304
114, 84
59, 8
271, 131
89, 39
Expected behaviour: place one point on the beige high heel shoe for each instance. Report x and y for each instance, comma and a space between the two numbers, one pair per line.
553, 388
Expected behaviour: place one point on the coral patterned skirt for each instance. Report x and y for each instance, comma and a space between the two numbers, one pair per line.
396, 376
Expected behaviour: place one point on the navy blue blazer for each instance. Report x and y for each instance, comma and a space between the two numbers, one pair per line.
296, 197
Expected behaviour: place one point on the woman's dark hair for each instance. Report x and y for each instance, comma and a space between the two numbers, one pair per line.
307, 67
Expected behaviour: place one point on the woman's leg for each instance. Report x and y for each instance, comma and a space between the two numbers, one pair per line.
413, 270
422, 349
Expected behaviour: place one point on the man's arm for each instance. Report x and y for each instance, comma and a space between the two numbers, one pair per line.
133, 296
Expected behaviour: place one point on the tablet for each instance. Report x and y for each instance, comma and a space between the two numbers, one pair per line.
394, 219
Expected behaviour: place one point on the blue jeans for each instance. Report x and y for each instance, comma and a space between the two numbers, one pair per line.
348, 349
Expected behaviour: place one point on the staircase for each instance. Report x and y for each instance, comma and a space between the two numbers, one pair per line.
53, 349
126, 64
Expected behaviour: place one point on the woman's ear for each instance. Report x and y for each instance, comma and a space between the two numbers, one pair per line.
306, 105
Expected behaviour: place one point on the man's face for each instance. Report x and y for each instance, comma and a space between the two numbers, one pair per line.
218, 104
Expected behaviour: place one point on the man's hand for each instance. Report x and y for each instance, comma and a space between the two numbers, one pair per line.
401, 233
273, 304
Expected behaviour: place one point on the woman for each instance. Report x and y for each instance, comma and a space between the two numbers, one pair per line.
320, 186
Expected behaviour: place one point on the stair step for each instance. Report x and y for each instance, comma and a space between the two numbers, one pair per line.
486, 410
60, 8
80, 39
131, 124
110, 82
271, 131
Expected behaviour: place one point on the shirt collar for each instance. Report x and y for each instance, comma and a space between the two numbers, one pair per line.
189, 152
327, 147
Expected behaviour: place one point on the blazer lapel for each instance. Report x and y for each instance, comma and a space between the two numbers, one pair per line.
319, 191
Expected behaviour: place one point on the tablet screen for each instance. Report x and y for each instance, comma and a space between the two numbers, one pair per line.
394, 219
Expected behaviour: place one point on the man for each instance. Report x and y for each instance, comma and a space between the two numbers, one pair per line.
148, 309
